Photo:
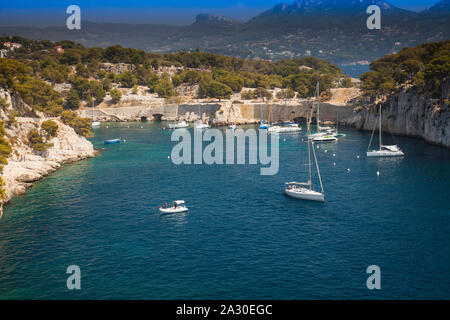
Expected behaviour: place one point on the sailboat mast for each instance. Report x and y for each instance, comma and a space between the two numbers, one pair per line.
318, 106
317, 167
380, 127
260, 113
309, 165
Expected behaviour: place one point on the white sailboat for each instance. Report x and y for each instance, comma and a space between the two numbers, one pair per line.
304, 190
281, 127
321, 135
383, 151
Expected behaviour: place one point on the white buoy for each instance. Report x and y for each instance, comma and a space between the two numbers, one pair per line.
334, 163
142, 127
284, 139
357, 156
378, 173
168, 157
334, 154
326, 150
348, 169
107, 127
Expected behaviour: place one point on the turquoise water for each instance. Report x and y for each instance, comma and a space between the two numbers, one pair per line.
242, 238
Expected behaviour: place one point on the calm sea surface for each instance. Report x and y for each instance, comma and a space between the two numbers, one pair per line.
242, 238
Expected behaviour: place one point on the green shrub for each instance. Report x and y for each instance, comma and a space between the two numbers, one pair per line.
3, 103
128, 80
216, 89
2, 190
116, 95
50, 127
5, 146
164, 88
82, 126
36, 141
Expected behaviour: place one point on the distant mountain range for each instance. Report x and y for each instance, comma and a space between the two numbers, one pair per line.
331, 29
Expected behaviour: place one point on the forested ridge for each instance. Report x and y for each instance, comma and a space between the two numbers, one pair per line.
217, 76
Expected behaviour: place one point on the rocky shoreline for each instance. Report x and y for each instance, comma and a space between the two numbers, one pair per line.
26, 165
408, 113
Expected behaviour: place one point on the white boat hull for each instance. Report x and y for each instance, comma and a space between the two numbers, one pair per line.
384, 153
173, 210
178, 125
314, 135
203, 126
305, 194
327, 138
284, 129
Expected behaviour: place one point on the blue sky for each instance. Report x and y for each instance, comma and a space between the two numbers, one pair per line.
52, 12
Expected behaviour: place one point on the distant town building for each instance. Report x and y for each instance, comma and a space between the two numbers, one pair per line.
59, 49
12, 45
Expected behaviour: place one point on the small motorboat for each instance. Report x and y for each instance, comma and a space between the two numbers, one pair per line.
111, 141
232, 126
325, 138
180, 124
95, 124
177, 207
201, 125
263, 125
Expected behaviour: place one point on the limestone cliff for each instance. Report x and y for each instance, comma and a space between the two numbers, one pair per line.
25, 165
409, 112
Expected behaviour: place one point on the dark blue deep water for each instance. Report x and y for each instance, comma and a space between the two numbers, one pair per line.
242, 238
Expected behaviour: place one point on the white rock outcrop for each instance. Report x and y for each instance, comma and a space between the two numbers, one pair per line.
26, 166
409, 113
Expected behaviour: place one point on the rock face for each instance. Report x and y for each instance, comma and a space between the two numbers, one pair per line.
221, 113
26, 165
409, 113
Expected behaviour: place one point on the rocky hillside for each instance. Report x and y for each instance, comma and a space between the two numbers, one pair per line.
408, 112
28, 163
412, 87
